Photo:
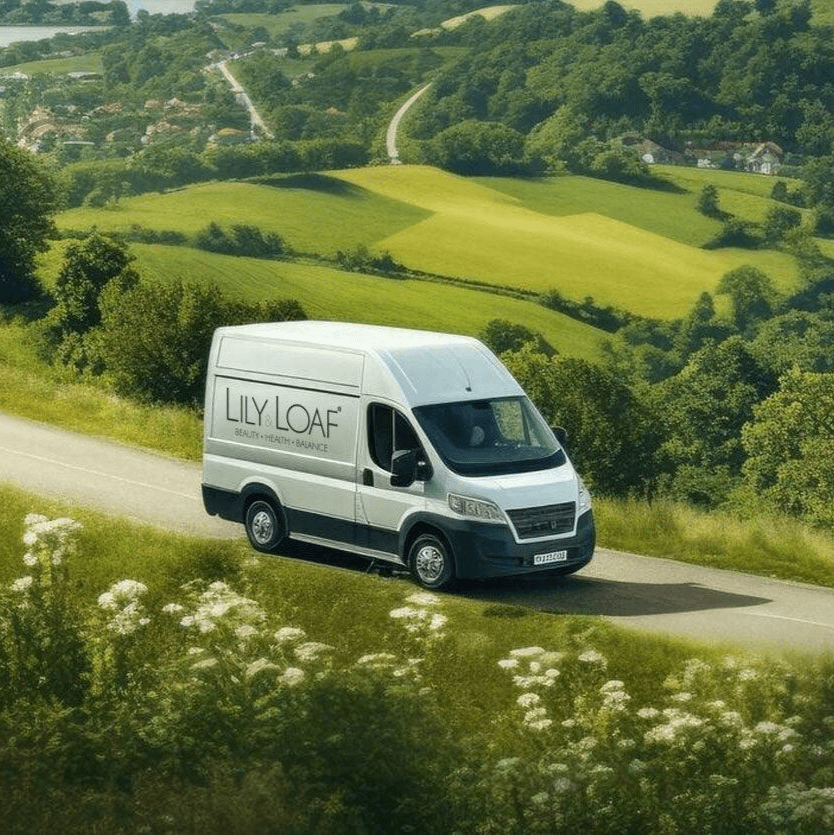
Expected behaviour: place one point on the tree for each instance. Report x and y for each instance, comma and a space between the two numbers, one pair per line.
797, 339
154, 339
88, 267
703, 409
790, 447
707, 203
86, 270
501, 335
474, 147
28, 198
560, 140
752, 295
613, 434
780, 220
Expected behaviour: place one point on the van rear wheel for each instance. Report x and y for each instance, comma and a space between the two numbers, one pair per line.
430, 562
264, 526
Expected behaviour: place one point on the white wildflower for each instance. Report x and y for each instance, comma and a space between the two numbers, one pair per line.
173, 609
648, 713
407, 612
22, 583
259, 666
289, 635
508, 663
592, 657
311, 650
526, 652
612, 686
377, 660
767, 728
292, 676
423, 598
30, 559
204, 664
245, 631
562, 785
682, 697
529, 699
506, 764
540, 799
540, 725
437, 621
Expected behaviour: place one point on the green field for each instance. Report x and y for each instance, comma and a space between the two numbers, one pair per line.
279, 24
89, 62
651, 8
330, 294
619, 257
637, 249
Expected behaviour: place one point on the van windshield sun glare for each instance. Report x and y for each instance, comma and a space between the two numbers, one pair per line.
490, 437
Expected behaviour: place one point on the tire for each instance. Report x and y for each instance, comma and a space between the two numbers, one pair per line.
430, 562
264, 526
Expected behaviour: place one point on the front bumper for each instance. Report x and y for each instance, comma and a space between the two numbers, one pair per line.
483, 550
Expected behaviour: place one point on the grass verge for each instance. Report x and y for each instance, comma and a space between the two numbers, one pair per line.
766, 545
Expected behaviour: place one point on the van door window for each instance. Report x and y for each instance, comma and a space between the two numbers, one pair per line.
388, 432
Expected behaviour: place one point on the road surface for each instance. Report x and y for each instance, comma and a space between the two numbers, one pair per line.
644, 593
254, 116
391, 135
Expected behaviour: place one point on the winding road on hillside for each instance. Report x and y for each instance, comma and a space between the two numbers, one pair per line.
644, 593
394, 126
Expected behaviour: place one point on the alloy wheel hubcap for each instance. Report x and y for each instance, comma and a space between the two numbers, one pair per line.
262, 527
429, 563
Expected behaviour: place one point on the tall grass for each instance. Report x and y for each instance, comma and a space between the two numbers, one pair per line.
234, 693
766, 544
36, 390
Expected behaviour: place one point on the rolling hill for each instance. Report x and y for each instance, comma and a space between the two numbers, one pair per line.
636, 249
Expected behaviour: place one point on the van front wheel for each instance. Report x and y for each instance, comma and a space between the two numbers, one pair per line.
263, 526
430, 562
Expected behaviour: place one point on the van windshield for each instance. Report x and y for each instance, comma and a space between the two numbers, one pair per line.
490, 437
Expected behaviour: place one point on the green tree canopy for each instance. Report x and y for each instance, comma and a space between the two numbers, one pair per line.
612, 433
703, 409
752, 295
790, 447
474, 147
28, 199
154, 339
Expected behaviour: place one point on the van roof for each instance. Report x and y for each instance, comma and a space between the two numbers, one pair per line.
424, 366
351, 335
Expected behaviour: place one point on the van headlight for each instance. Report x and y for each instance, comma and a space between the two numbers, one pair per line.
475, 508
584, 503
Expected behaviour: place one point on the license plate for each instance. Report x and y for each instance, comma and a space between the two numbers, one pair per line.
553, 556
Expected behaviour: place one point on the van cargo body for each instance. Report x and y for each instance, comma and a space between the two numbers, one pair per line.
412, 447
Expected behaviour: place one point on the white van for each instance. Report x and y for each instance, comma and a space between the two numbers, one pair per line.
412, 447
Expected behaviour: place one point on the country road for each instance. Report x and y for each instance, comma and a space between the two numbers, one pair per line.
391, 134
645, 593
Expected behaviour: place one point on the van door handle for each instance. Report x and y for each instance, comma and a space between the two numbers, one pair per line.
367, 477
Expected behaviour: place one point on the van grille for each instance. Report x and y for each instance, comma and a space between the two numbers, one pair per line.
531, 522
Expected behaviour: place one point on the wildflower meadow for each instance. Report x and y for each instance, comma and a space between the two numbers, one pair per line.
122, 711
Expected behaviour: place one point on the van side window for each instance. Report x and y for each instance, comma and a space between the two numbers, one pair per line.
388, 432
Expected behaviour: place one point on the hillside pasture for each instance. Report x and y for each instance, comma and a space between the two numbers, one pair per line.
89, 62
583, 237
277, 25
327, 293
654, 8
313, 213
481, 233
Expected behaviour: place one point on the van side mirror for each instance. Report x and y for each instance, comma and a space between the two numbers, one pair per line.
404, 467
561, 435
